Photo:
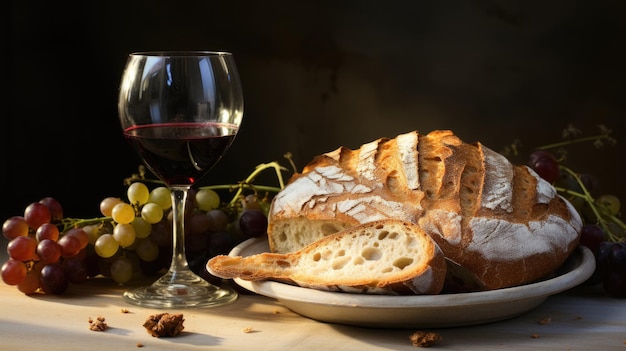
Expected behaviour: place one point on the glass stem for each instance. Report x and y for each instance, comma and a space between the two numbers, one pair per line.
179, 201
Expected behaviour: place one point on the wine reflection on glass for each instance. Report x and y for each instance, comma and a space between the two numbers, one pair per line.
181, 112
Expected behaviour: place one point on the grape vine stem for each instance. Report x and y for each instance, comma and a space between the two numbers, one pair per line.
600, 213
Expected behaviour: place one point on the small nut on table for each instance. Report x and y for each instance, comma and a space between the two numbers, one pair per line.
164, 324
424, 339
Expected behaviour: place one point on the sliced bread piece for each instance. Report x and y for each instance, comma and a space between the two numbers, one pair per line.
390, 257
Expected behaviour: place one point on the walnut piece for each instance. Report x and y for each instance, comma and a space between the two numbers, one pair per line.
424, 339
164, 324
98, 324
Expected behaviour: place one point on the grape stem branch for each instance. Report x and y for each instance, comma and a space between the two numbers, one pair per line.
600, 213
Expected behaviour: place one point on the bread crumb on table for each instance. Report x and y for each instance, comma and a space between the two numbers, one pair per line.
98, 324
164, 324
424, 338
545, 320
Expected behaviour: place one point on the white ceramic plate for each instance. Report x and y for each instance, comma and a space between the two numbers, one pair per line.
422, 311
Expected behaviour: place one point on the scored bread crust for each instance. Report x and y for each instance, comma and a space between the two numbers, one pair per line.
501, 222
387, 257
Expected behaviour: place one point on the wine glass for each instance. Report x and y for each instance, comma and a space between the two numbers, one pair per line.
181, 112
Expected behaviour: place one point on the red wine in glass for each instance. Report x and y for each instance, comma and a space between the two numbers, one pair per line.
181, 153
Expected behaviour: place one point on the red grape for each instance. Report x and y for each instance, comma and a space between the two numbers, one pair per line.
545, 165
55, 208
70, 245
48, 251
13, 272
15, 226
81, 235
22, 248
47, 231
30, 284
37, 214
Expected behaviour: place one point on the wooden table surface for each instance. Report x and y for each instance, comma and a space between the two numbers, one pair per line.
582, 318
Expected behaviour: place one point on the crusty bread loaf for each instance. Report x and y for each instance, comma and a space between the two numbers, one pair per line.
380, 257
499, 222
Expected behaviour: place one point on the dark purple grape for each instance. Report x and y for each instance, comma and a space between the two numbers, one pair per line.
218, 220
162, 233
545, 164
616, 257
611, 268
601, 263
614, 283
589, 181
91, 263
198, 223
75, 269
592, 235
220, 243
53, 279
196, 243
253, 223
198, 266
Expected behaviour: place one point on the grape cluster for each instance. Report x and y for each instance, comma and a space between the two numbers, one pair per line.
603, 232
133, 239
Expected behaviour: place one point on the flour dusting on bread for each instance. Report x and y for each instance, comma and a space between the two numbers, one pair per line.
500, 221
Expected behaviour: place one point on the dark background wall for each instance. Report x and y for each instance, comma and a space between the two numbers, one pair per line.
316, 75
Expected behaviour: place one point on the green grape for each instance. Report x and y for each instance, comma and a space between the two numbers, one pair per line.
142, 227
161, 196
107, 204
152, 213
123, 213
93, 232
121, 269
138, 193
207, 199
106, 246
609, 202
147, 249
124, 234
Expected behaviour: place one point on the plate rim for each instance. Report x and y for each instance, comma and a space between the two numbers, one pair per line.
542, 289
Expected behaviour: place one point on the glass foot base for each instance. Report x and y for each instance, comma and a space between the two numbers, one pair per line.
180, 290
